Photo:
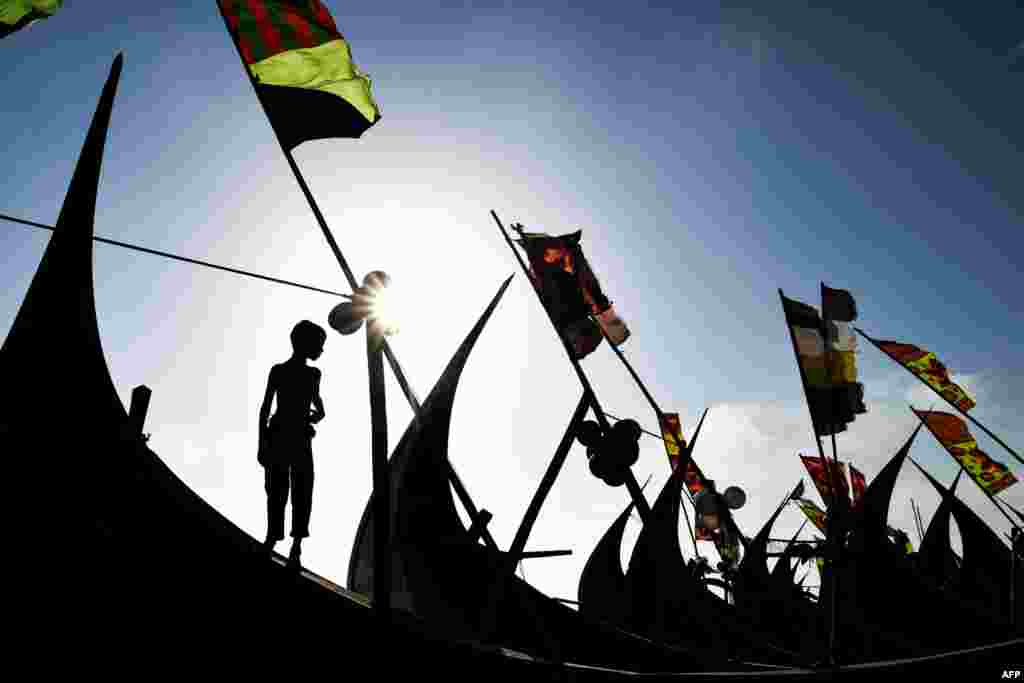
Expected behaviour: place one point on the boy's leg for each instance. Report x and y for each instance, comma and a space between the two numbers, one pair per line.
302, 493
275, 481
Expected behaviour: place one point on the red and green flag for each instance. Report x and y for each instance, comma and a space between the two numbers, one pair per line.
925, 365
952, 432
303, 69
571, 292
17, 14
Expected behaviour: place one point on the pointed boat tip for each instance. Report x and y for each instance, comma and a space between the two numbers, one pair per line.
115, 69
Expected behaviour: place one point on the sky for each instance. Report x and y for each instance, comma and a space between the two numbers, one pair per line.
711, 155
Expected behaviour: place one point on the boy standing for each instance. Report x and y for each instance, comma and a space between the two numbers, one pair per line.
286, 439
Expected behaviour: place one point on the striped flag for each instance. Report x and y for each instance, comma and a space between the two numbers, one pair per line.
833, 395
303, 68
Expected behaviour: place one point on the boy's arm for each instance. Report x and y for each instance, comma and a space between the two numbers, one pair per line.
318, 404
268, 397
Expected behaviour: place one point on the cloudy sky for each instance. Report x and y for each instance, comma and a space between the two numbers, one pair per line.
710, 156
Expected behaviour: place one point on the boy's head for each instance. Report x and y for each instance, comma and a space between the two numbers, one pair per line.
308, 339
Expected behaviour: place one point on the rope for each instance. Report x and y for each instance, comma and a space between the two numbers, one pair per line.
146, 250
659, 437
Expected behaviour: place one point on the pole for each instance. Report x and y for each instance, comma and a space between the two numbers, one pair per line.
381, 480
1011, 508
686, 454
642, 506
1014, 542
962, 412
689, 527
917, 522
829, 533
650, 399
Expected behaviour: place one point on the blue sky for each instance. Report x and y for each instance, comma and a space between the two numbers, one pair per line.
711, 156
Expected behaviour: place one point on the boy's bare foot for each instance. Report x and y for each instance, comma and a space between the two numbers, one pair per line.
296, 552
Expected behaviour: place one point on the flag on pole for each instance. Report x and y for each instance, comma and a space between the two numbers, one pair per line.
834, 397
671, 427
303, 69
813, 513
838, 310
925, 365
693, 479
672, 433
952, 432
571, 291
822, 480
17, 14
837, 304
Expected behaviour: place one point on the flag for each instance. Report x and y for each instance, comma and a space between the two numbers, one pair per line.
672, 433
925, 365
952, 432
834, 397
17, 14
613, 327
840, 349
820, 477
303, 69
693, 479
837, 304
670, 427
858, 483
813, 513
571, 292
838, 309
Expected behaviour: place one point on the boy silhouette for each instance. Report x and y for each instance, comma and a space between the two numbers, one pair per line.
286, 438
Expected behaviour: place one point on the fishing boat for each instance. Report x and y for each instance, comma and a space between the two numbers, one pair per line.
118, 565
